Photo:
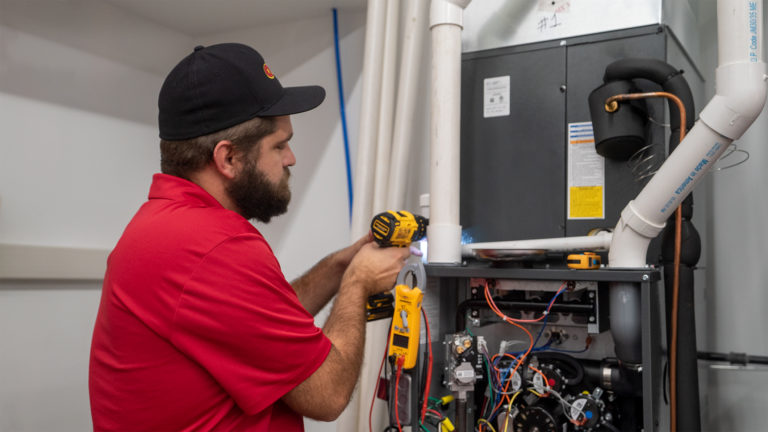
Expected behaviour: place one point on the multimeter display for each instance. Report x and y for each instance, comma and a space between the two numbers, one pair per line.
400, 340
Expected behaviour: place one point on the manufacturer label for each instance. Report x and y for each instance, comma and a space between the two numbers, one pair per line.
496, 97
586, 174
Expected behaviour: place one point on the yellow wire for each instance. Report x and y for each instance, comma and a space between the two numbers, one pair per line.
490, 426
509, 410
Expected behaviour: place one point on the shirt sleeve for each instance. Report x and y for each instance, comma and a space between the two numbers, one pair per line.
241, 321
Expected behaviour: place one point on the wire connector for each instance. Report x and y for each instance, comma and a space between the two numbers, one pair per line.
446, 425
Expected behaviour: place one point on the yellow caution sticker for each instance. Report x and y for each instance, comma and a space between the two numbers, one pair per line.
586, 202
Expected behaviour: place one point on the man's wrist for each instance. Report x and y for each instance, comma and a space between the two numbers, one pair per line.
352, 282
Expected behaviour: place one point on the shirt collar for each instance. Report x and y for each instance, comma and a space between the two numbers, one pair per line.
165, 186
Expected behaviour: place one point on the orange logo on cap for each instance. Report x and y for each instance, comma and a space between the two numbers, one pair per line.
268, 72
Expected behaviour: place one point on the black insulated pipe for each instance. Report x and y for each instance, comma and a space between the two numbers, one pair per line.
739, 359
671, 80
663, 74
621, 133
613, 377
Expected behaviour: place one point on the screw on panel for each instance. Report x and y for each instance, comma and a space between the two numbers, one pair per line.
646, 277
563, 88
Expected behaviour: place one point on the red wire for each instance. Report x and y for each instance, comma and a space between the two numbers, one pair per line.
400, 362
429, 367
496, 310
378, 378
435, 413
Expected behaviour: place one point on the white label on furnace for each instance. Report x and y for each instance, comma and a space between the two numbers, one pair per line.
496, 96
586, 174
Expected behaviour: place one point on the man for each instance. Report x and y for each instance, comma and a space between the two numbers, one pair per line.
198, 328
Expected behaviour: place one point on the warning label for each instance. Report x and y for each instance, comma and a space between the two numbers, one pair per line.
586, 174
586, 202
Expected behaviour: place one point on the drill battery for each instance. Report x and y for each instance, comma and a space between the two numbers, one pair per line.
379, 306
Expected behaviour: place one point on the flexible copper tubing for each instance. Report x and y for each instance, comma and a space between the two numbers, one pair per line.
611, 105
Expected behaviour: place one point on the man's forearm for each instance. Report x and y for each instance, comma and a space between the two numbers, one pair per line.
318, 285
345, 327
326, 392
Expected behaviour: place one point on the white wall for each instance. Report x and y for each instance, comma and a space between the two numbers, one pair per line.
734, 316
77, 111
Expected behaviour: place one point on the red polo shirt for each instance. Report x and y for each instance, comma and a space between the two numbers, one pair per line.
197, 328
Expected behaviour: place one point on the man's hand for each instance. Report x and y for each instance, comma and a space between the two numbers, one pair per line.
326, 392
344, 256
375, 269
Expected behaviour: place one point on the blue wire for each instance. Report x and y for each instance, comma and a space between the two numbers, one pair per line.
350, 193
544, 347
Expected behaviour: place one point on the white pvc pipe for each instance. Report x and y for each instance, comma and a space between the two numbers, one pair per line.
362, 207
352, 417
730, 20
356, 416
386, 108
739, 99
409, 79
444, 231
599, 241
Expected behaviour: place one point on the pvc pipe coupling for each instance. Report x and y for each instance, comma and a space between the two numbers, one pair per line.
447, 12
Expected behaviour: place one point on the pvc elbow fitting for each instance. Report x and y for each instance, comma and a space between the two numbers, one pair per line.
739, 99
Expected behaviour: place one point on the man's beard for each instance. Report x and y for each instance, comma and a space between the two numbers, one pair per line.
256, 197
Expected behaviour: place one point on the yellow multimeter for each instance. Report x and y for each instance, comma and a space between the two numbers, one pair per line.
406, 322
586, 260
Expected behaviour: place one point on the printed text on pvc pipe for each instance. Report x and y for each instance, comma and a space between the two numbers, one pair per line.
684, 186
753, 32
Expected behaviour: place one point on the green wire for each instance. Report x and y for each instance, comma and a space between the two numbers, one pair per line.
422, 426
467, 327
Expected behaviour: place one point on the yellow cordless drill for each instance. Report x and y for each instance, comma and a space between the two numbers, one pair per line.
398, 229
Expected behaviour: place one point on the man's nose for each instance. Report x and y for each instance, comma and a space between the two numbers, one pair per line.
290, 158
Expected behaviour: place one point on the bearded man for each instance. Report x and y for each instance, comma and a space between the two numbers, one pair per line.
198, 329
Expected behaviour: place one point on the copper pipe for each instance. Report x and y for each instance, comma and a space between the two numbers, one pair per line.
612, 105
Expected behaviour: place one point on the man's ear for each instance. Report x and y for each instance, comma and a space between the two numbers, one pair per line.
225, 159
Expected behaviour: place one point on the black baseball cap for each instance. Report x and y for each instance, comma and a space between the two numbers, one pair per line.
222, 85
